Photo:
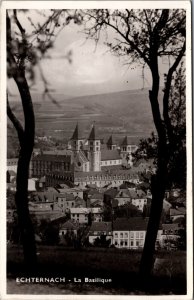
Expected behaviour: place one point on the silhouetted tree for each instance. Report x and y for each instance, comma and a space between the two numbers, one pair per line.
24, 51
143, 37
148, 148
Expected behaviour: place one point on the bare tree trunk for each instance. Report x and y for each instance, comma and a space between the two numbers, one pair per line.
27, 144
158, 190
26, 139
158, 184
24, 219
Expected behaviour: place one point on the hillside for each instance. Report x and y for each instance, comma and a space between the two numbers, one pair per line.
121, 113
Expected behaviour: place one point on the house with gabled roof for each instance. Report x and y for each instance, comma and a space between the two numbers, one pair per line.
98, 229
170, 234
130, 233
123, 196
175, 213
81, 214
69, 226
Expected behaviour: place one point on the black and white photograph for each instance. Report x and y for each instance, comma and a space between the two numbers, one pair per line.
96, 152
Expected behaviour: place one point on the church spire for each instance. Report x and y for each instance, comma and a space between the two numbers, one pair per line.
76, 134
111, 145
92, 136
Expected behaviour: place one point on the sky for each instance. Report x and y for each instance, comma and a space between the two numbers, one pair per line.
93, 70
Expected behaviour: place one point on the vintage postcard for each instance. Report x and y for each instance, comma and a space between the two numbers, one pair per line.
96, 154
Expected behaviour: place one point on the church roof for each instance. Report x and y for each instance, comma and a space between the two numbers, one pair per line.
115, 171
76, 134
51, 157
111, 141
125, 141
92, 136
81, 157
110, 154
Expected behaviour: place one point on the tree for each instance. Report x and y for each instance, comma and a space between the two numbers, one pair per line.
143, 37
177, 150
16, 70
24, 51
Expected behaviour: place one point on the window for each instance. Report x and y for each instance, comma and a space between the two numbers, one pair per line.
137, 234
126, 234
141, 243
141, 235
131, 243
121, 235
116, 235
116, 243
132, 235
97, 143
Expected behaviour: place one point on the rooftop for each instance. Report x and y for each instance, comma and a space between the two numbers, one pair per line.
70, 224
176, 212
111, 141
110, 155
93, 136
76, 134
132, 224
83, 210
12, 160
100, 226
173, 226
110, 172
52, 157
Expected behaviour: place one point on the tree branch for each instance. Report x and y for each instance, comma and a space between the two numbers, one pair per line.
131, 43
167, 92
22, 30
18, 74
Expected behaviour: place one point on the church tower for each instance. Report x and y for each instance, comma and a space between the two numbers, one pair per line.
76, 141
126, 151
94, 153
111, 145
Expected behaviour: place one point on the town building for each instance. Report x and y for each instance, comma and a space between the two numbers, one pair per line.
130, 233
45, 210
177, 213
69, 227
99, 229
12, 164
81, 215
170, 235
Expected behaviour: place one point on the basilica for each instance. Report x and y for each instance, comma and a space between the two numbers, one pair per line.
86, 161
